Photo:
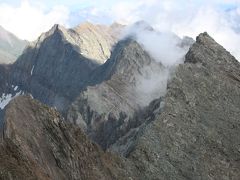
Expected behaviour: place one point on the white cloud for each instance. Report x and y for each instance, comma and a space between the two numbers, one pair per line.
220, 18
28, 21
166, 49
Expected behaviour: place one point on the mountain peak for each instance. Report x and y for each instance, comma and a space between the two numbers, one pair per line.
56, 28
97, 40
205, 38
209, 53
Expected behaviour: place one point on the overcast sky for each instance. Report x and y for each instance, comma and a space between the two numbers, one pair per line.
220, 18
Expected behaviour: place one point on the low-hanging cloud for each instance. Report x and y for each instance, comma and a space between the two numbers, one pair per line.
166, 49
220, 18
152, 86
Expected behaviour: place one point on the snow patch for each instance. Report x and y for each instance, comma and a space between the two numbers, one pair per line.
16, 87
6, 98
32, 70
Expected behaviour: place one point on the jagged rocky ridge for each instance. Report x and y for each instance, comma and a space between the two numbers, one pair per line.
197, 134
111, 108
53, 70
36, 143
56, 67
194, 136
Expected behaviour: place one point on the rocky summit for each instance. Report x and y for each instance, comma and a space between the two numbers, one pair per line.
115, 112
196, 136
57, 66
52, 69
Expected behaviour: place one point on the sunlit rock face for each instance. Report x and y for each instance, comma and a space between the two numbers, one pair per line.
96, 41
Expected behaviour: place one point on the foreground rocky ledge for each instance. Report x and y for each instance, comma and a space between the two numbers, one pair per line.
37, 144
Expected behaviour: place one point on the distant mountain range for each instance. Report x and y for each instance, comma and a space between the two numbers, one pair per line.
10, 46
73, 106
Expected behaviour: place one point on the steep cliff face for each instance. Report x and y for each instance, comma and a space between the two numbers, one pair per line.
53, 69
108, 110
10, 46
57, 66
37, 144
196, 136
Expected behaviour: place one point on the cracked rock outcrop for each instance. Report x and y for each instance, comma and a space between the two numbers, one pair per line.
37, 144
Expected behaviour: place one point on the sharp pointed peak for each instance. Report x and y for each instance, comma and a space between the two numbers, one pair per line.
210, 53
203, 37
57, 27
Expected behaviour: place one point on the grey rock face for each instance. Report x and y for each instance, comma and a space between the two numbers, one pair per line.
53, 70
37, 144
56, 67
7, 90
197, 134
107, 111
193, 132
10, 47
